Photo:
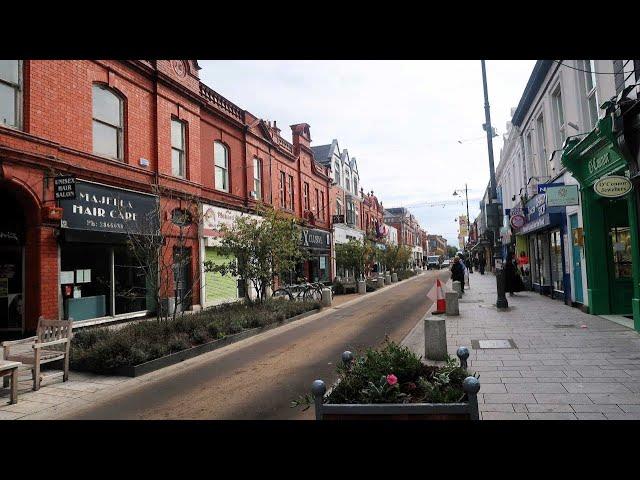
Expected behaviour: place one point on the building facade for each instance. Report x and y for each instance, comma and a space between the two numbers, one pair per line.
138, 139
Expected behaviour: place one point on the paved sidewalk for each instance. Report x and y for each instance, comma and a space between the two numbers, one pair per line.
568, 365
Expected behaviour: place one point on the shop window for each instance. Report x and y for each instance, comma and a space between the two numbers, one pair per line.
10, 93
620, 238
108, 122
132, 288
556, 261
178, 150
542, 146
219, 288
221, 158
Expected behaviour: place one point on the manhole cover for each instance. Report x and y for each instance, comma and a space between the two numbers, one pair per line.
482, 344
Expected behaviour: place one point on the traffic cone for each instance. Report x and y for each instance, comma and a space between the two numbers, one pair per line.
441, 305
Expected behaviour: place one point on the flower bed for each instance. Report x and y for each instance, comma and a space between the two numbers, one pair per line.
108, 351
394, 383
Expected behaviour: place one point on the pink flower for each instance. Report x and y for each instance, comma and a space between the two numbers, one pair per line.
392, 379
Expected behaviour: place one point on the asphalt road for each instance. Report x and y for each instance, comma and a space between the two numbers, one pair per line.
258, 380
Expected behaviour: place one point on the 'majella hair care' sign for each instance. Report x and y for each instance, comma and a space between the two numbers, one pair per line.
107, 209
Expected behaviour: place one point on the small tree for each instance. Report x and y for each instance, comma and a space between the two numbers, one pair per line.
396, 257
159, 246
261, 248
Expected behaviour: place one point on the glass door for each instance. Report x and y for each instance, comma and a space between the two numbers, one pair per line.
11, 298
619, 257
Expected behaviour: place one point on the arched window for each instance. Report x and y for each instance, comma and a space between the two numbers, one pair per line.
337, 175
221, 160
108, 122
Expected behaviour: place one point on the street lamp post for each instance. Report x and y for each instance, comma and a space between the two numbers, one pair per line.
501, 302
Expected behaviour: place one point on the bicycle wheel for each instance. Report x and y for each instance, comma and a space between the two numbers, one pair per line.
312, 294
282, 293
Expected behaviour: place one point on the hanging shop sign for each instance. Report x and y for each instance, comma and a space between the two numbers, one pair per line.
517, 221
536, 224
102, 208
562, 196
613, 186
65, 187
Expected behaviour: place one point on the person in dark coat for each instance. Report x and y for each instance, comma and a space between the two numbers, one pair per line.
510, 275
482, 262
457, 272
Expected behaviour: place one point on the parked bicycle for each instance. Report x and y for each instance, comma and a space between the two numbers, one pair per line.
300, 291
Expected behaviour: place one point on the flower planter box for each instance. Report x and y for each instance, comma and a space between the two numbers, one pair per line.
467, 410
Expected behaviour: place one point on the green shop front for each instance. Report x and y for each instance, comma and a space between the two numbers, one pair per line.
218, 288
610, 221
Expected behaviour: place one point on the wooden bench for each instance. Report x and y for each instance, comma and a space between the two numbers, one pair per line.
9, 370
52, 343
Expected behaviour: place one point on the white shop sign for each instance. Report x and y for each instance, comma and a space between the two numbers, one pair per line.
214, 217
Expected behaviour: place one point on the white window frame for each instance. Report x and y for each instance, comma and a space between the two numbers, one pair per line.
119, 128
182, 149
283, 189
257, 177
541, 140
337, 176
223, 168
589, 95
17, 98
559, 118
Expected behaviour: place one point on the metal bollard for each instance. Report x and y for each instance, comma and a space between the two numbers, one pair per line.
318, 389
471, 386
463, 354
387, 279
451, 299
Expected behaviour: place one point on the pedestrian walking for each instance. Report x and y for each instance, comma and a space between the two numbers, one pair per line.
482, 262
457, 272
511, 275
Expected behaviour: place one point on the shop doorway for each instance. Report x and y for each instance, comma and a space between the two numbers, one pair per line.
618, 255
576, 250
182, 277
12, 267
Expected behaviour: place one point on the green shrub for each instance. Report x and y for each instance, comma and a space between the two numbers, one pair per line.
394, 374
103, 350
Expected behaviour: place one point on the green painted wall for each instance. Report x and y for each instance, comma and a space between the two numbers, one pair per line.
219, 287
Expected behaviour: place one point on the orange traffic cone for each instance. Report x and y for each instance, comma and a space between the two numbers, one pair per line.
441, 305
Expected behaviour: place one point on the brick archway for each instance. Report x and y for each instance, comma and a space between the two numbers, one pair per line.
22, 217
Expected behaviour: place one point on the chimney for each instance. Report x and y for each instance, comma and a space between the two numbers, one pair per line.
275, 129
301, 135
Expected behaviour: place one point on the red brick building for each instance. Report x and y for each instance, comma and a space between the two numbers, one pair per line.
125, 130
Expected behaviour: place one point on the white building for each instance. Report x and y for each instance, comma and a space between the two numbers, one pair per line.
561, 99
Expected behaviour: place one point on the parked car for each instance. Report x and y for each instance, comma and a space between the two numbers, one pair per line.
446, 263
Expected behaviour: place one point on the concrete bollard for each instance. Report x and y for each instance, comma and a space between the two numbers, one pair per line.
451, 299
326, 297
394, 277
362, 287
457, 288
380, 282
435, 338
387, 279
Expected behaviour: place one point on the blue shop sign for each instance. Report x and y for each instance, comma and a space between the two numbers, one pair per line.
542, 187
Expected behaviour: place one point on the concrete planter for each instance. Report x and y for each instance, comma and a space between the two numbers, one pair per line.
467, 410
177, 357
394, 277
362, 287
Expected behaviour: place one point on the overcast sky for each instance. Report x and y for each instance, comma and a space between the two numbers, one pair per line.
402, 120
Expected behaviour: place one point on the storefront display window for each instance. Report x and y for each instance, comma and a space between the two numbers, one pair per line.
131, 286
621, 244
556, 261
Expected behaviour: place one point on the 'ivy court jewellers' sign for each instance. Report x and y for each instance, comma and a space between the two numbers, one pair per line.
613, 186
107, 209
